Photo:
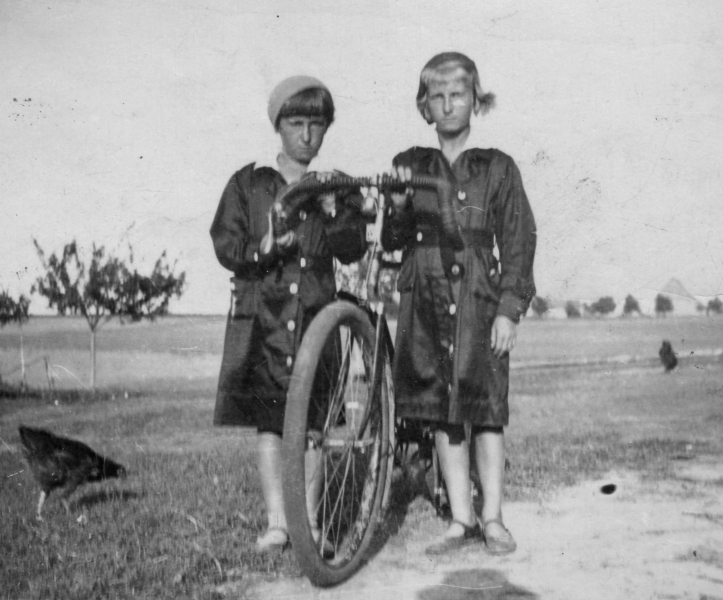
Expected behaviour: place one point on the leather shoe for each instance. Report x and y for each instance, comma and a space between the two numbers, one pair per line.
501, 544
447, 543
274, 540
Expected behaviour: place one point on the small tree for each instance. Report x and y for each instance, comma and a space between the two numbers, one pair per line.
715, 306
663, 305
539, 306
105, 288
631, 305
603, 306
15, 311
571, 310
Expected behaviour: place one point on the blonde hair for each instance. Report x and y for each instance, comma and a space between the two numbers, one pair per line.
444, 63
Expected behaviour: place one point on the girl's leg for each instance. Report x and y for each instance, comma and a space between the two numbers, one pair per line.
490, 456
270, 471
454, 461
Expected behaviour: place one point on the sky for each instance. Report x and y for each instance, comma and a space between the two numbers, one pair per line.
121, 122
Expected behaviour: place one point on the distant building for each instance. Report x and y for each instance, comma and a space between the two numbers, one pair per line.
684, 303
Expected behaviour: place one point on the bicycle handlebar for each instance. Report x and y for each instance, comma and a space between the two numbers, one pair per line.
290, 198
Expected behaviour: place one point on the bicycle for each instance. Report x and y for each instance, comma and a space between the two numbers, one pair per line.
342, 370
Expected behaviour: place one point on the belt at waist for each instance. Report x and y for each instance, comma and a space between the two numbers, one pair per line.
429, 236
291, 263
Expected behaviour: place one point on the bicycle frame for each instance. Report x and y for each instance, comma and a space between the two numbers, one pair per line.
342, 442
287, 205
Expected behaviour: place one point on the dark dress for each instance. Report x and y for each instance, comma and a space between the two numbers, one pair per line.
274, 297
444, 368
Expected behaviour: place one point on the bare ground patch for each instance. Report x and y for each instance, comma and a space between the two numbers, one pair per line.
646, 540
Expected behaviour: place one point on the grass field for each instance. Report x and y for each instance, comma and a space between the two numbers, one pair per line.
184, 520
189, 347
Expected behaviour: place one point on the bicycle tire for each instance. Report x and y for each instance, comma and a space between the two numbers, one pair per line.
337, 357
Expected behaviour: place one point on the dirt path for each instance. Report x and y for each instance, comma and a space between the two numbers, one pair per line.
645, 540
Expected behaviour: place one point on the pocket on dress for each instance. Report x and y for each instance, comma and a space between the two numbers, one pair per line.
484, 275
245, 298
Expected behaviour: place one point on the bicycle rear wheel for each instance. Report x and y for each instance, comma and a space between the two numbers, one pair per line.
336, 406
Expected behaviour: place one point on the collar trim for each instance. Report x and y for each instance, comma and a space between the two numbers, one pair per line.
269, 159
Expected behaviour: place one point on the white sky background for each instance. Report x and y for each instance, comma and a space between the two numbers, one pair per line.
122, 121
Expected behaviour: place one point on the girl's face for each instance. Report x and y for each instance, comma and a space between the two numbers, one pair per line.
301, 137
450, 102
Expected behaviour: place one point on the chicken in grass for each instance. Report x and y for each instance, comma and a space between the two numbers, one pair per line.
58, 462
667, 356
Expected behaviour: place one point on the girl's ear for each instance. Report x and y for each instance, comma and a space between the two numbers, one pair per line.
426, 114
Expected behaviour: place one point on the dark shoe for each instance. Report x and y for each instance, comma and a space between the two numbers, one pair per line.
447, 543
274, 540
501, 544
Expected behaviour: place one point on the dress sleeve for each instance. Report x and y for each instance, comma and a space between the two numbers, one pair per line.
346, 230
399, 225
230, 229
516, 234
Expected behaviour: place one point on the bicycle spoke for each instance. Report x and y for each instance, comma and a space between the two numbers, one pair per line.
339, 498
335, 400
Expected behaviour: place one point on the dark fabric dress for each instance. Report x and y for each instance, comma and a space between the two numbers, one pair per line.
444, 369
274, 297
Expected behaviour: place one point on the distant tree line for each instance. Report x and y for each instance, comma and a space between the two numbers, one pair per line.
631, 306
603, 306
606, 305
663, 305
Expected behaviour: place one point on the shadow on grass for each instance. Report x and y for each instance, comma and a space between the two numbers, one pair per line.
408, 483
481, 584
102, 497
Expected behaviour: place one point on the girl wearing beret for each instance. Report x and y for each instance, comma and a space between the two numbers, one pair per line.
464, 287
279, 284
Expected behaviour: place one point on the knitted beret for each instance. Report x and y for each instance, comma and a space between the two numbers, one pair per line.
286, 89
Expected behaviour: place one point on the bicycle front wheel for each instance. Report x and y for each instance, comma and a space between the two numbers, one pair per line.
337, 443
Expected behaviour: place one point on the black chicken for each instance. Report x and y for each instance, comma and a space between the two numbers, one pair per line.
667, 356
58, 462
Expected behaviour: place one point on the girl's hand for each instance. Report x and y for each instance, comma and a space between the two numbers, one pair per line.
371, 200
403, 174
287, 240
327, 201
504, 335
269, 243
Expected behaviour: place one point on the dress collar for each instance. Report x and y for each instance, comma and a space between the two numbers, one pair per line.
269, 159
